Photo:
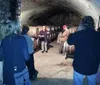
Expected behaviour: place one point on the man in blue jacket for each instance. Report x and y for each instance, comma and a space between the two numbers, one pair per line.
87, 51
14, 52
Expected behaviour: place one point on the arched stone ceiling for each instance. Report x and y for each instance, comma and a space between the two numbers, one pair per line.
79, 7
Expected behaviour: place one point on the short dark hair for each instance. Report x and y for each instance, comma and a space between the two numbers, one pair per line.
86, 23
25, 29
88, 20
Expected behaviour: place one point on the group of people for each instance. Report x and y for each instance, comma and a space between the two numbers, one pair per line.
86, 41
17, 53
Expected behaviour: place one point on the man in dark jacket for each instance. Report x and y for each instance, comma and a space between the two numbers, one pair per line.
87, 52
14, 52
43, 38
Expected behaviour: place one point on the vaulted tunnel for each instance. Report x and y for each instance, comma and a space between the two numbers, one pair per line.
52, 12
48, 12
36, 13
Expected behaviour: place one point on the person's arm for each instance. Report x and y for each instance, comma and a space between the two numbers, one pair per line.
64, 36
25, 50
32, 43
71, 39
65, 33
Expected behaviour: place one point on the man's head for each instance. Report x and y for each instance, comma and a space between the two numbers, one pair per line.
86, 23
44, 28
65, 27
25, 29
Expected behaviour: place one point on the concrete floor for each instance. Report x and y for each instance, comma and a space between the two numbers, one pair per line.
53, 68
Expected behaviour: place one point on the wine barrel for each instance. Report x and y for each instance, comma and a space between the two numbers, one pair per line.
71, 49
72, 29
48, 28
52, 28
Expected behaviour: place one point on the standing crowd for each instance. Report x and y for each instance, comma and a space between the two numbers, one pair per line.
17, 53
86, 41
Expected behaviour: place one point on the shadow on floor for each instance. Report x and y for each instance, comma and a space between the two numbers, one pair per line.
55, 81
70, 56
39, 48
52, 81
50, 46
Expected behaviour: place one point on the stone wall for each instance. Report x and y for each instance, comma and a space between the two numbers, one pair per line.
9, 10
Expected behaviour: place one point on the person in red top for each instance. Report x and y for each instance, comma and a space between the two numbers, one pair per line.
64, 38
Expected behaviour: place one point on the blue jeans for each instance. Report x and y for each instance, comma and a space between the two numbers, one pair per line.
78, 79
22, 78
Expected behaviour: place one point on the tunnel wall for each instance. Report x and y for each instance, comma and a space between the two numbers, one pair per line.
84, 7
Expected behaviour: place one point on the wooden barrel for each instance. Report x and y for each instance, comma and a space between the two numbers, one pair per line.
52, 28
68, 48
71, 49
72, 29
48, 28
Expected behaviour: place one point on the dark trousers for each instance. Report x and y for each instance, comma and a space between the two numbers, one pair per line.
30, 65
